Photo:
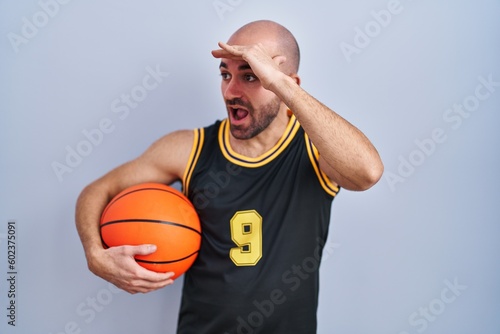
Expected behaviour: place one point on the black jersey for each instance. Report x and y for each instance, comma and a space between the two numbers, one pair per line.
264, 224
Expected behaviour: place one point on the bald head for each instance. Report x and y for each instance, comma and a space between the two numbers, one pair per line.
277, 38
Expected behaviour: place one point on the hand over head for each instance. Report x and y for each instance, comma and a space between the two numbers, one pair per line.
264, 64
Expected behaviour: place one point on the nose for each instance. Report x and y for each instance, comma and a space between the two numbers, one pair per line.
231, 89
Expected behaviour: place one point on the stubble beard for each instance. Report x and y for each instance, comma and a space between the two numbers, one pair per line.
260, 120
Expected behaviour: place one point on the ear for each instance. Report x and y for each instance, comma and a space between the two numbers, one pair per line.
295, 77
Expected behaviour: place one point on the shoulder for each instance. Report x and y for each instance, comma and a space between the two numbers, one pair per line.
173, 143
170, 153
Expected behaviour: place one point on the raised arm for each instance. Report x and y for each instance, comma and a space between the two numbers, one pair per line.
346, 154
163, 162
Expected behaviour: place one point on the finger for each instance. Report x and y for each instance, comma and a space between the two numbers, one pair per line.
220, 53
145, 281
140, 249
137, 271
234, 50
153, 276
147, 286
225, 54
227, 47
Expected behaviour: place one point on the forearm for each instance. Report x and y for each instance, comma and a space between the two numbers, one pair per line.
352, 158
89, 207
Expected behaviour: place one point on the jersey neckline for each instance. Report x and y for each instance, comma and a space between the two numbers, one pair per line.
244, 161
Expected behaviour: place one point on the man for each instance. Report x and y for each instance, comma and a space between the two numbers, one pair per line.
276, 162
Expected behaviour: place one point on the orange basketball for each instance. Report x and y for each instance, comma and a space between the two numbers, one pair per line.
153, 213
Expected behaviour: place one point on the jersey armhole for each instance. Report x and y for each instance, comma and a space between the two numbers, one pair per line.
323, 179
199, 136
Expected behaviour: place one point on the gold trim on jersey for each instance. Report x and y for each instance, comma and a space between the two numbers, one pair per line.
244, 161
199, 138
324, 180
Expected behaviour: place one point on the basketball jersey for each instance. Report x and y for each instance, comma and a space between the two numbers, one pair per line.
264, 224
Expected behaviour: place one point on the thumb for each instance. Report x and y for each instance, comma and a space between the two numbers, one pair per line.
143, 249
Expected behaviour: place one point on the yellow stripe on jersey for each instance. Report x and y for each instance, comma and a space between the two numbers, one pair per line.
199, 137
241, 160
324, 180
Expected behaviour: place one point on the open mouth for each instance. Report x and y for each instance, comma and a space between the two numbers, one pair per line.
238, 113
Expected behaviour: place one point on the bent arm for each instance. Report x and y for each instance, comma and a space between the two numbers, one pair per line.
163, 162
346, 154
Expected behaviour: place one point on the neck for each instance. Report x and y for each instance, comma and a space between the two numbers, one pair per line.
264, 141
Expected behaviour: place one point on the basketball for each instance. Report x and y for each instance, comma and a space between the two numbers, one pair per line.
153, 213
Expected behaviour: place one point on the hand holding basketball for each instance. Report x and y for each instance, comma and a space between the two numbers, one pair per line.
154, 214
118, 266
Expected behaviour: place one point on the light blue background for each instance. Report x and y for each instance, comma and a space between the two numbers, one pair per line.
396, 247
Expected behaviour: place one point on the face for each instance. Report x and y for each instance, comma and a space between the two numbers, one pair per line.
251, 108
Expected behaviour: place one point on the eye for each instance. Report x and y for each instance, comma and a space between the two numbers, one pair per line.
250, 77
225, 76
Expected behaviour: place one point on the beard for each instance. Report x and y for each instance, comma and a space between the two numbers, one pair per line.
259, 120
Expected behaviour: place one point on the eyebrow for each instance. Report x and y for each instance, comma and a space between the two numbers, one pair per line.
240, 68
